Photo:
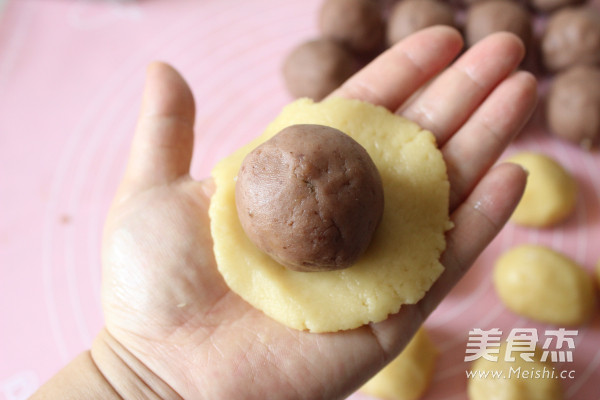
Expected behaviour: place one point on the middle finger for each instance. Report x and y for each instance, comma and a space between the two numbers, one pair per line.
451, 98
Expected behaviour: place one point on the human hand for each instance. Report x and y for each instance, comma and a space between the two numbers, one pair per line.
173, 327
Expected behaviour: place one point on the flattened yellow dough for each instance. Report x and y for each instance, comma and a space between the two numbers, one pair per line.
402, 261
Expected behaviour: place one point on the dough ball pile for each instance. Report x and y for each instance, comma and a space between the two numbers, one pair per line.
310, 197
360, 27
402, 260
559, 35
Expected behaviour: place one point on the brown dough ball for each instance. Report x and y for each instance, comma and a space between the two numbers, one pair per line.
318, 67
358, 24
487, 17
310, 197
551, 5
572, 37
573, 107
409, 16
471, 2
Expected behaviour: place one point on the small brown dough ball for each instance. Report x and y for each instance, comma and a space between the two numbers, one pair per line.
573, 106
471, 2
409, 16
551, 5
572, 37
485, 18
310, 197
318, 67
358, 24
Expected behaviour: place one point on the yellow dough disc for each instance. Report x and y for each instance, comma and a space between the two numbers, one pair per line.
402, 261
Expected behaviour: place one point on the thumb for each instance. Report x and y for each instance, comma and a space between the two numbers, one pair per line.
162, 146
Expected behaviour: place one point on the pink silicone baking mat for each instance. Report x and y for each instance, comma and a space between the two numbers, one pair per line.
71, 76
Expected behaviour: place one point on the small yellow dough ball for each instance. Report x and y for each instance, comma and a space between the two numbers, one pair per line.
550, 194
519, 379
408, 376
544, 285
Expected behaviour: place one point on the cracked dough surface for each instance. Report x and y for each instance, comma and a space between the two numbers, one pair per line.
402, 261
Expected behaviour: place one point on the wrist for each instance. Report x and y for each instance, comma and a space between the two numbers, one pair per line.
107, 371
125, 373
80, 379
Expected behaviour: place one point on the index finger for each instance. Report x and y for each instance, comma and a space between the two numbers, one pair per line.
396, 74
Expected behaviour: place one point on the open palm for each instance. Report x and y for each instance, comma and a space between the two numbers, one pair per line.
170, 317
